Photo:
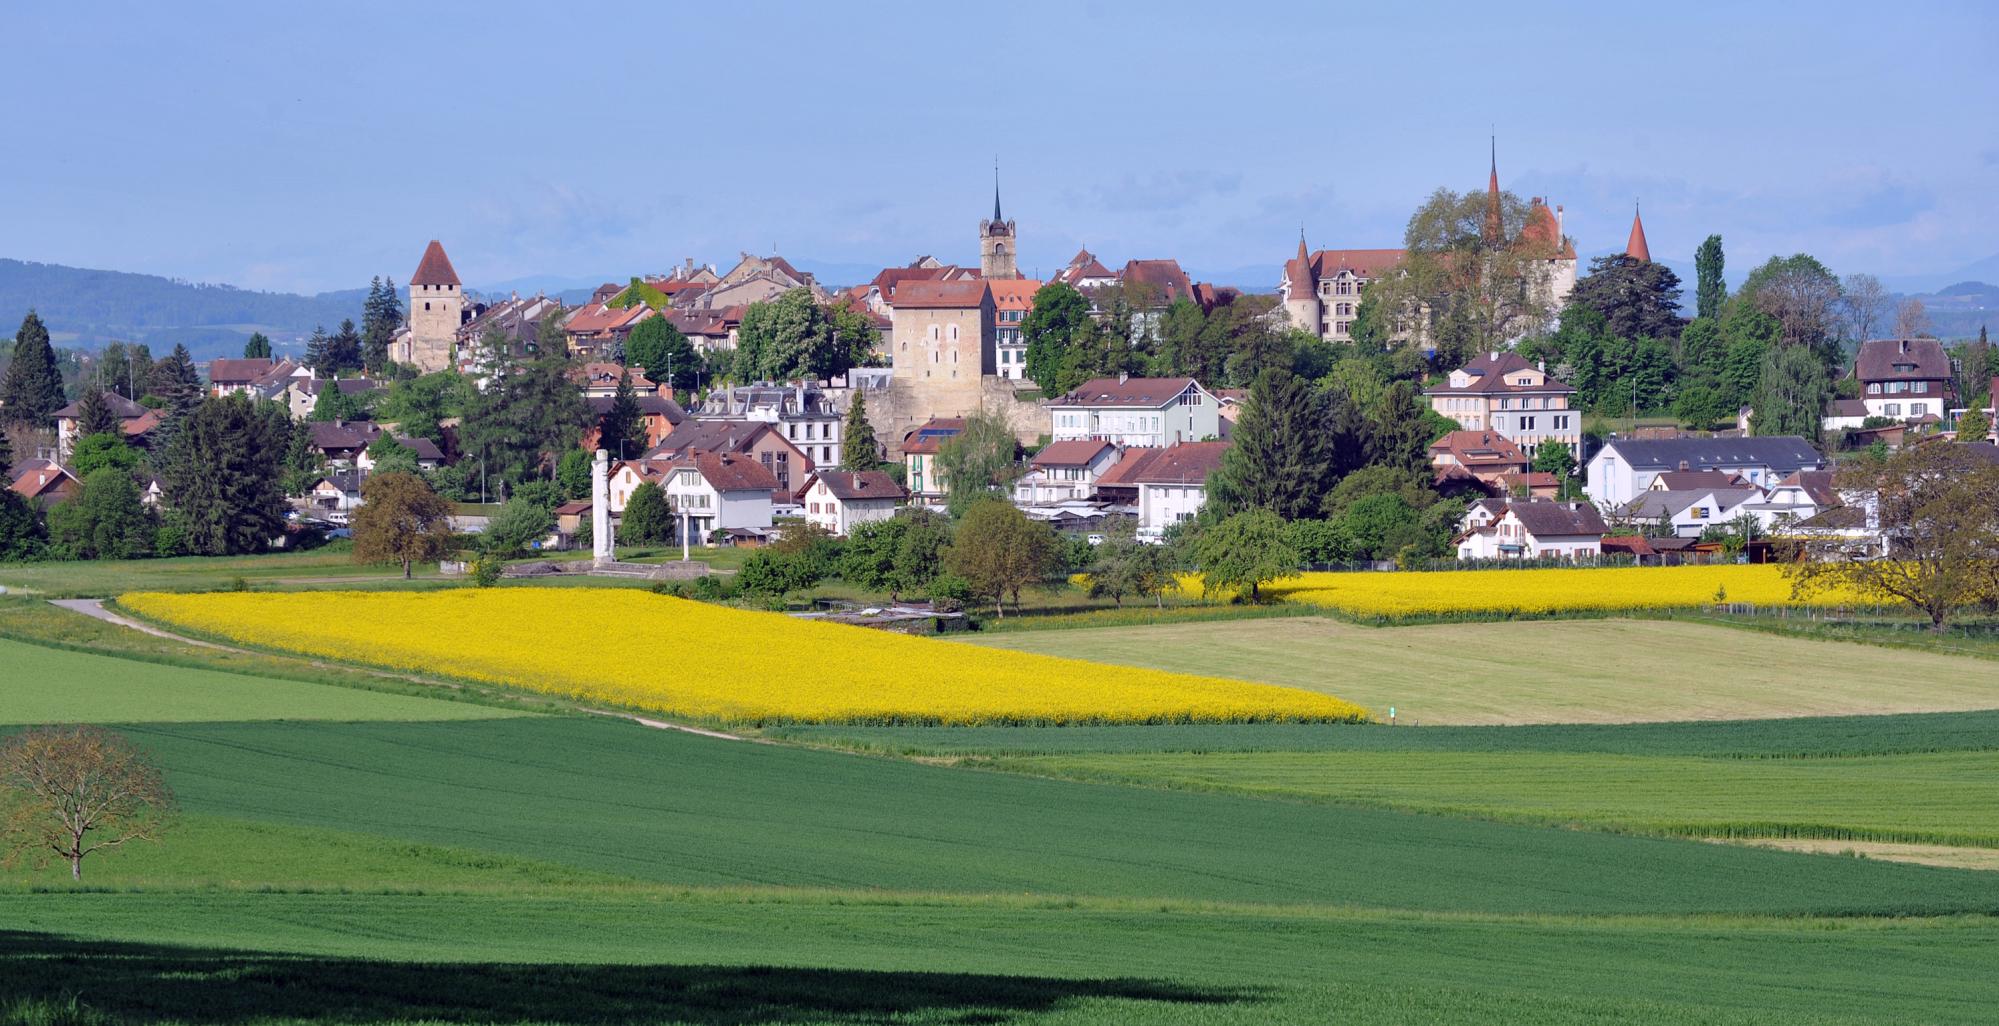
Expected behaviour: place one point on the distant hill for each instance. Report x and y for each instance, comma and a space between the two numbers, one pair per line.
88, 308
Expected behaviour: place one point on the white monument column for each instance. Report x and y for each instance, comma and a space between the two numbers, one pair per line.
600, 507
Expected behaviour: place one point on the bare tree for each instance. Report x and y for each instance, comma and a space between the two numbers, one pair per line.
1929, 506
1865, 301
1912, 319
74, 790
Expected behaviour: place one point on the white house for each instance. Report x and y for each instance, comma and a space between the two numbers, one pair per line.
1127, 411
1530, 529
1173, 484
719, 492
334, 495
1904, 378
1844, 413
1690, 512
838, 500
1625, 467
1065, 470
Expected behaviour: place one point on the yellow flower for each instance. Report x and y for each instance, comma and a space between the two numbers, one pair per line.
1552, 590
684, 658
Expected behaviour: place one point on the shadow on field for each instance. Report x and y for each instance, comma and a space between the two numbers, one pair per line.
52, 981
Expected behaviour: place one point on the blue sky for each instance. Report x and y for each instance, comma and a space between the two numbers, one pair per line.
307, 147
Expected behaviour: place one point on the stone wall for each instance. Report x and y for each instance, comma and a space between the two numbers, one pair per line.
898, 409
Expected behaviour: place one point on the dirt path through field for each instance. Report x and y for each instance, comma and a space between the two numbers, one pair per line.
94, 608
1922, 854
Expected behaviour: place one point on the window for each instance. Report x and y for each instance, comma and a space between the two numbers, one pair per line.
1506, 403
1874, 389
426, 303
1345, 288
1561, 423
933, 333
1526, 423
1892, 409
1342, 327
954, 333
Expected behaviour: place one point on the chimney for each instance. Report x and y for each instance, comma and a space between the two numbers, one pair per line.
1123, 377
1684, 465
1493, 356
1905, 345
1558, 223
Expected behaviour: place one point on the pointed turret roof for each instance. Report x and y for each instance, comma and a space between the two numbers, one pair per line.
1493, 226
435, 269
1635, 248
996, 206
1302, 253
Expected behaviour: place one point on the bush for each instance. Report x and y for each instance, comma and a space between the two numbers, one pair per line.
486, 570
648, 519
519, 524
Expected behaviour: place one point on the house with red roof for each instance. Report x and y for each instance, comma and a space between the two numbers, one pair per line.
919, 455
709, 491
1503, 393
1065, 471
1013, 300
1172, 484
840, 500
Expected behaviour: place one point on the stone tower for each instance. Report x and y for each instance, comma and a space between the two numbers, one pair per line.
437, 305
997, 245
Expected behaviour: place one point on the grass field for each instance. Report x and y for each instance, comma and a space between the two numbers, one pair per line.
104, 578
1559, 671
50, 685
563, 869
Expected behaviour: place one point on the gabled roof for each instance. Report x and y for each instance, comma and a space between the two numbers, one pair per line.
1544, 519
334, 434
601, 374
724, 471
713, 435
939, 295
592, 320
121, 408
1073, 452
649, 405
1818, 485
1847, 408
1489, 371
1781, 453
1164, 275
1014, 293
1902, 359
238, 372
1686, 480
1180, 463
1660, 505
849, 485
41, 477
1543, 234
1145, 392
435, 269
1477, 449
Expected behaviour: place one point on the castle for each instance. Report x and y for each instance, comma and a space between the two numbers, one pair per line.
436, 309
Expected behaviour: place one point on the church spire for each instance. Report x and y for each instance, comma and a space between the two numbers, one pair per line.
996, 206
1635, 247
1493, 226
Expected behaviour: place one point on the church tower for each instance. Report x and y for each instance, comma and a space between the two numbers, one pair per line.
437, 304
997, 245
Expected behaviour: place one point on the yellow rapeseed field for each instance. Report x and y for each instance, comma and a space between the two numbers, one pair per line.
685, 658
1543, 590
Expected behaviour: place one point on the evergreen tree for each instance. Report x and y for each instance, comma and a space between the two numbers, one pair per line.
345, 347
319, 353
32, 390
858, 449
378, 326
1279, 460
113, 365
176, 383
6, 455
1637, 298
1710, 289
20, 527
527, 412
258, 348
621, 431
224, 475
94, 416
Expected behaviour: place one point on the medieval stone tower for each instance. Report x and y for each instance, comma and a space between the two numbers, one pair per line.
997, 257
437, 305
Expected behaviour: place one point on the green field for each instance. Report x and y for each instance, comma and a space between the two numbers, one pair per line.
1554, 671
394, 861
51, 685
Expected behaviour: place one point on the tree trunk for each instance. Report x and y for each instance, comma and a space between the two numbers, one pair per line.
406, 569
76, 867
999, 605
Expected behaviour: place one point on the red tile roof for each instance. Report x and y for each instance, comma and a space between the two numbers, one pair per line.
1902, 359
1544, 234
436, 268
724, 471
939, 295
1479, 449
1164, 275
238, 372
1180, 463
1124, 473
1014, 293
1073, 452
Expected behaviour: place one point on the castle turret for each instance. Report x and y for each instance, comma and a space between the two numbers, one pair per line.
437, 304
1635, 247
